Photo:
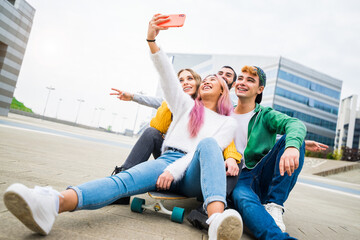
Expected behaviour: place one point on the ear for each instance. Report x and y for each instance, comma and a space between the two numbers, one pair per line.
260, 89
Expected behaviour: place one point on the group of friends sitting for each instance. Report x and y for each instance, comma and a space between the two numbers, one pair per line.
227, 155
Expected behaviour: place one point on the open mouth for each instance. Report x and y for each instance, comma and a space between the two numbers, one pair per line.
186, 89
240, 89
207, 87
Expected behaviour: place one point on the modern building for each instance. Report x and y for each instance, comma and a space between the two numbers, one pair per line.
348, 125
16, 19
291, 88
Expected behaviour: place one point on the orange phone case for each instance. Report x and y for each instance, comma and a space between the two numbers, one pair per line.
176, 20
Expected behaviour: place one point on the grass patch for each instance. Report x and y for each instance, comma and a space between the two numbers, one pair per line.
15, 104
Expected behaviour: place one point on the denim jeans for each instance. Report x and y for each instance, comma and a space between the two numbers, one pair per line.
149, 142
205, 177
261, 185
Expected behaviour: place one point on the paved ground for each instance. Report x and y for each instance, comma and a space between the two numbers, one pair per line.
36, 152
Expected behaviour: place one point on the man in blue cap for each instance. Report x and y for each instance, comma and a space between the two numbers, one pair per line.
269, 168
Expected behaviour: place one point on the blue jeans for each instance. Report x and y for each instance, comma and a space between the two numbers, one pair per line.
261, 185
205, 177
149, 142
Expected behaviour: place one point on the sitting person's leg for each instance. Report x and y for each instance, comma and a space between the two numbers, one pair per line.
206, 176
255, 217
265, 185
275, 188
149, 143
197, 217
38, 207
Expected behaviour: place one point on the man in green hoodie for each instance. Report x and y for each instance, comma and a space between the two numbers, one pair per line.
270, 167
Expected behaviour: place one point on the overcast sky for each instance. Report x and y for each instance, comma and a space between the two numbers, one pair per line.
83, 48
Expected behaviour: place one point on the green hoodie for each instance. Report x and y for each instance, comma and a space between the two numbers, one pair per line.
263, 128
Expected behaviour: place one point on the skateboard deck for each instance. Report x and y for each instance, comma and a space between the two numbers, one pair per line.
165, 195
176, 215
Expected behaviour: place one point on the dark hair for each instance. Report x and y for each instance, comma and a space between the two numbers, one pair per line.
234, 78
258, 98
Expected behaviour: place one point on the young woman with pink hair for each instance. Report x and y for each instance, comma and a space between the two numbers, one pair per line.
192, 163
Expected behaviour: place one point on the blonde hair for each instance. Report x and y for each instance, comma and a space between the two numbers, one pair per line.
196, 77
249, 69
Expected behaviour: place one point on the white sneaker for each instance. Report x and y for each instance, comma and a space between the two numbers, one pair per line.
276, 211
36, 208
225, 226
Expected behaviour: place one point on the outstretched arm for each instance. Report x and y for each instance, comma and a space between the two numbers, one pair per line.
177, 100
149, 101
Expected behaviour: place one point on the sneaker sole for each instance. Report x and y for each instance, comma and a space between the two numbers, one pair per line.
20, 209
230, 228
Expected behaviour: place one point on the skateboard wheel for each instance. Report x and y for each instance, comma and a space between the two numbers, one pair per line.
177, 215
136, 205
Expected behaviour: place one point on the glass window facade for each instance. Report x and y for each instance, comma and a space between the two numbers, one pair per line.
306, 117
356, 134
319, 138
306, 100
308, 84
268, 90
271, 74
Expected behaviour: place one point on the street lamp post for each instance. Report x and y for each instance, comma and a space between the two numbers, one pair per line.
58, 106
77, 115
100, 109
93, 118
123, 123
113, 120
47, 99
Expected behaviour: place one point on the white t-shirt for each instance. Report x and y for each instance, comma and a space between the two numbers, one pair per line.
241, 134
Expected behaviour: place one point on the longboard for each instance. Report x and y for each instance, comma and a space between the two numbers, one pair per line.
176, 215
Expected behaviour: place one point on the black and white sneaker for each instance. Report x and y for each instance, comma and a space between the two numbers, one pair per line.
198, 217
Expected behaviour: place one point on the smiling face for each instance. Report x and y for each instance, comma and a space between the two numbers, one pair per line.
188, 82
210, 86
227, 74
248, 86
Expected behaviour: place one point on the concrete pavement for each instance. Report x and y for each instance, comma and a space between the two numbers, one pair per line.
36, 152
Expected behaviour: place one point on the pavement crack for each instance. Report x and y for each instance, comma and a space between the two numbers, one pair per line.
345, 228
302, 231
332, 229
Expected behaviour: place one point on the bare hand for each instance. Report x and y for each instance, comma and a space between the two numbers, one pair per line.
313, 146
232, 167
154, 29
289, 161
124, 96
164, 181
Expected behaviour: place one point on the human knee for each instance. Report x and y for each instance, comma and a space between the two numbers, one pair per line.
151, 131
207, 142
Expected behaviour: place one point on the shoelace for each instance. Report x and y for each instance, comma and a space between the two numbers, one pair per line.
116, 170
211, 218
47, 190
275, 210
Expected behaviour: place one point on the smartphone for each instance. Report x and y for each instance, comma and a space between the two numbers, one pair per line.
176, 20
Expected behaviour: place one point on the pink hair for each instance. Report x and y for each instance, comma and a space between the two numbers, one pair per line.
224, 107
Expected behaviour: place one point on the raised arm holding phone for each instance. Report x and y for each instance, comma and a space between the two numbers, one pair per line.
191, 163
